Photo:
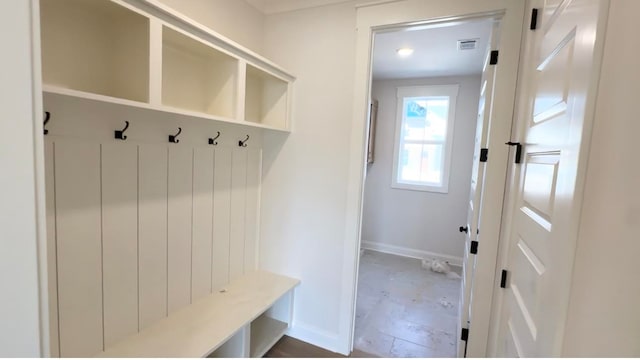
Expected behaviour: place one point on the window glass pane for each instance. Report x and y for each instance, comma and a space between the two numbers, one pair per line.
421, 164
425, 118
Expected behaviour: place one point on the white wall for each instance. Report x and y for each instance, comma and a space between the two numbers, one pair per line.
417, 223
21, 334
235, 19
305, 174
604, 318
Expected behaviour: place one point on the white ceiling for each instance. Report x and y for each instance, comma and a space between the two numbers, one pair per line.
436, 51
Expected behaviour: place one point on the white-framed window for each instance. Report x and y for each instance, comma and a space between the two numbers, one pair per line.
424, 137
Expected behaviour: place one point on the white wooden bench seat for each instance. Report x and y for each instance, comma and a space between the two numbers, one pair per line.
245, 320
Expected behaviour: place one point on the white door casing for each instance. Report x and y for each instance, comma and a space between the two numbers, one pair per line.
554, 120
475, 193
24, 307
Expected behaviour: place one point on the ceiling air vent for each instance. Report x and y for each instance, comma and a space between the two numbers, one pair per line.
467, 44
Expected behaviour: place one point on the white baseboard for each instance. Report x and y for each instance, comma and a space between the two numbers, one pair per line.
314, 336
408, 252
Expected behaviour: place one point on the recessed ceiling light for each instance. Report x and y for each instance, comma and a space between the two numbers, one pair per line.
404, 52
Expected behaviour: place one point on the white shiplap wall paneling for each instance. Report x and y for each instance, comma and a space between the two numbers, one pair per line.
202, 247
79, 247
142, 227
221, 218
238, 212
252, 215
152, 233
179, 225
120, 240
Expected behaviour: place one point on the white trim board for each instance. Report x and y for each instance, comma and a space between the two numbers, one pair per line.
313, 335
24, 306
411, 253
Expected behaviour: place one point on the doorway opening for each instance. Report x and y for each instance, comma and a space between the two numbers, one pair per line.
429, 108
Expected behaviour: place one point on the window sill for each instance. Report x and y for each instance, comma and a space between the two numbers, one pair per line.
423, 188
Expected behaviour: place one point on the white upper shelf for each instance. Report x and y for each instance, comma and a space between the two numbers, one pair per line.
143, 54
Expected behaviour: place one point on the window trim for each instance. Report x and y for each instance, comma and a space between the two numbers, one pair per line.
450, 90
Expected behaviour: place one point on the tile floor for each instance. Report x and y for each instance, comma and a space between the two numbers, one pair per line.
403, 310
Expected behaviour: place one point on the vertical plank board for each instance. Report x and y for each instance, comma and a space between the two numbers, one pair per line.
221, 207
238, 207
202, 221
49, 168
252, 220
180, 206
152, 233
120, 240
77, 189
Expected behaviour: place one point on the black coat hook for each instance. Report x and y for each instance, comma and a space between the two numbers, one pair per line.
243, 143
212, 141
119, 134
174, 138
47, 117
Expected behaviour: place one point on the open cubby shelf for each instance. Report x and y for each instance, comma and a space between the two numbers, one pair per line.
103, 50
265, 332
266, 98
95, 46
197, 77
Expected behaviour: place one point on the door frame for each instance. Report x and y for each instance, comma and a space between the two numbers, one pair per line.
383, 16
23, 253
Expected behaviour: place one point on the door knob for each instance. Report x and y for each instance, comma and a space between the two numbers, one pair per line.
464, 229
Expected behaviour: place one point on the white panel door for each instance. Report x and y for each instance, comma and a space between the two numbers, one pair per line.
543, 227
152, 237
202, 222
238, 207
79, 247
179, 208
120, 240
475, 197
221, 218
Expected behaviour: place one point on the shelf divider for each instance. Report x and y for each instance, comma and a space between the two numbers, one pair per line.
241, 87
155, 62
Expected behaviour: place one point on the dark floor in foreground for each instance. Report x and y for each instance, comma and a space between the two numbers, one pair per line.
289, 347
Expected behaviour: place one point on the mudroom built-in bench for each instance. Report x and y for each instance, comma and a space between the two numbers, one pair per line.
244, 320
153, 160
